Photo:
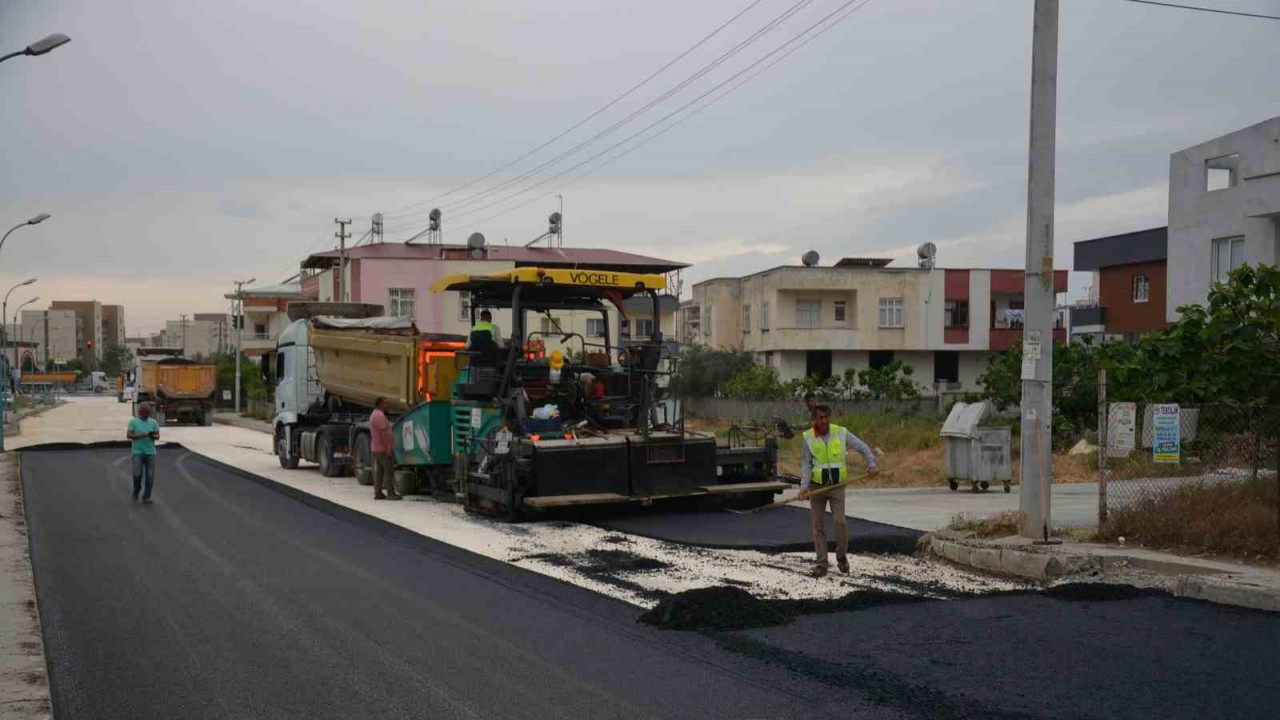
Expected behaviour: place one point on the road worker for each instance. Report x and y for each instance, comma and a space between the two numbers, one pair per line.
823, 464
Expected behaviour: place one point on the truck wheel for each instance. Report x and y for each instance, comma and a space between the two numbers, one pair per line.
364, 459
282, 451
408, 482
329, 466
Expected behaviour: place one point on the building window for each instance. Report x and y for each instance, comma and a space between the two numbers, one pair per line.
808, 313
1221, 173
746, 318
957, 312
890, 312
544, 325
624, 328
764, 317
464, 307
837, 308
595, 327
1141, 288
400, 302
877, 359
1228, 254
259, 329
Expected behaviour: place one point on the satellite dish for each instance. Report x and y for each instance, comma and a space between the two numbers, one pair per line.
477, 253
377, 218
555, 218
810, 259
475, 242
926, 253
435, 214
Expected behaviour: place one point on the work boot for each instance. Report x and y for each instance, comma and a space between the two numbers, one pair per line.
393, 496
842, 562
135, 496
818, 571
379, 496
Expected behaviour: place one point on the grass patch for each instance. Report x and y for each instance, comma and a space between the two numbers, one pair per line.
1236, 519
892, 431
1001, 525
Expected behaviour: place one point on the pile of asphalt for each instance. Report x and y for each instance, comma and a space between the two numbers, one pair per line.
725, 607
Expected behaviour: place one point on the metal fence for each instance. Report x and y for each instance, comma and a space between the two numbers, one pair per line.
1163, 458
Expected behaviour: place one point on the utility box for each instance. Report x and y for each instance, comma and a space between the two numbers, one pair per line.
973, 452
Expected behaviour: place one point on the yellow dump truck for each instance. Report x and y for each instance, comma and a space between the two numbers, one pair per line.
180, 389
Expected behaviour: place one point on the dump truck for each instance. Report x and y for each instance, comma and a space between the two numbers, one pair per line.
329, 368
593, 423
64, 378
178, 388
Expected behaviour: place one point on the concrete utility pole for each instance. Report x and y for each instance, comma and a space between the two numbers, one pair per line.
237, 321
342, 236
1037, 342
182, 321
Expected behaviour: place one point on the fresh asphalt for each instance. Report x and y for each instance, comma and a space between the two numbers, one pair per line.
230, 598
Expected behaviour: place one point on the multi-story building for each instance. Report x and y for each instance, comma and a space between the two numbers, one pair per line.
204, 335
398, 277
90, 314
113, 326
1224, 210
859, 313
1127, 297
265, 311
57, 334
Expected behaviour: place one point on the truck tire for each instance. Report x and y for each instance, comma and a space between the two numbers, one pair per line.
287, 461
408, 482
329, 466
363, 459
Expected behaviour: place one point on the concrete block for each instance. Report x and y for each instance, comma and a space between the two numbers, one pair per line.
1226, 592
1026, 564
986, 559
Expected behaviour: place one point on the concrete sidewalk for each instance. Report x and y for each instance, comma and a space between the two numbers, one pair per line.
24, 681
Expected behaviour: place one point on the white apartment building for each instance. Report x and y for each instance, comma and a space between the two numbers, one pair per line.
58, 335
205, 335
1224, 210
859, 313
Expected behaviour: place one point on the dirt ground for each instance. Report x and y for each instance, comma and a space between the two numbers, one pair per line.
905, 467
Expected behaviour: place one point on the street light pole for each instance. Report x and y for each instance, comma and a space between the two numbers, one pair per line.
1037, 342
40, 47
237, 319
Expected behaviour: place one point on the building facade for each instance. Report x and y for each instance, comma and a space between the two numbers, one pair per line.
58, 335
1224, 210
113, 326
265, 310
398, 277
860, 313
90, 313
1129, 291
203, 336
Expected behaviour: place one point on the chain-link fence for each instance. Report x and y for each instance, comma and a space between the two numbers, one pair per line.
1198, 475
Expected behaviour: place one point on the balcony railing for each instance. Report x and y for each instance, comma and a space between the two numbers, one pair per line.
1088, 315
1004, 338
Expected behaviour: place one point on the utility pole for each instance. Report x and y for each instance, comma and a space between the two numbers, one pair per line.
1036, 460
182, 321
342, 236
237, 322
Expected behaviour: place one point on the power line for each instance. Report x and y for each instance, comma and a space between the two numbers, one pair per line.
590, 117
678, 110
771, 25
690, 116
1206, 9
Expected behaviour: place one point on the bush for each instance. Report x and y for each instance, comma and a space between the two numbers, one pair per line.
1230, 518
702, 371
755, 382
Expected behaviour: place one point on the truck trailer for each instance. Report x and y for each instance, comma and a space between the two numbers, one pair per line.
332, 364
180, 389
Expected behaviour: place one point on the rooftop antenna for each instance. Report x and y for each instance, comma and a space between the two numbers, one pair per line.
435, 235
475, 246
810, 259
375, 232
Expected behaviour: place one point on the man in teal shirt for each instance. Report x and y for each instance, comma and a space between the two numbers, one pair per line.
144, 432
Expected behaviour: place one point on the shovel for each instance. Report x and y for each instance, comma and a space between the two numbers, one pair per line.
802, 496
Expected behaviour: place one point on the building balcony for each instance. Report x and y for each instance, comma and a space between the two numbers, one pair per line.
802, 338
1089, 315
1004, 338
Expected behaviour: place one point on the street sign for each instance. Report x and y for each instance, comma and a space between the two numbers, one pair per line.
1122, 422
226, 394
1167, 431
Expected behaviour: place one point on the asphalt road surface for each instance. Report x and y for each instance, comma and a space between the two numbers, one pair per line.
229, 599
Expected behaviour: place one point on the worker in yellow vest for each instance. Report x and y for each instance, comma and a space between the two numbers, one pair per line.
823, 463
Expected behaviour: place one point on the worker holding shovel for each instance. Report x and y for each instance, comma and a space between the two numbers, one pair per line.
824, 473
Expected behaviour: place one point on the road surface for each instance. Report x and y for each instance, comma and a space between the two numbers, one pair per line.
231, 599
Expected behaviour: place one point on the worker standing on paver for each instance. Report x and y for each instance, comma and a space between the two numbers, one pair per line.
485, 324
824, 463
381, 445
143, 432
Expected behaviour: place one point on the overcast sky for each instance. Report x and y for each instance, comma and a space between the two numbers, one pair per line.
181, 145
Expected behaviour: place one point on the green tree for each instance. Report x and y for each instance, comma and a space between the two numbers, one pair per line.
701, 371
891, 381
115, 359
755, 382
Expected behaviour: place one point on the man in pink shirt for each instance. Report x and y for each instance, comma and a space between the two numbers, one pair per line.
381, 446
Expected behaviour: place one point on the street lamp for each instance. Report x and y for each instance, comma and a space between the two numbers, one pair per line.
237, 319
4, 314
40, 47
33, 221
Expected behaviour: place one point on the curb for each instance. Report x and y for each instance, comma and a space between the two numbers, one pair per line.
25, 681
1185, 581
241, 423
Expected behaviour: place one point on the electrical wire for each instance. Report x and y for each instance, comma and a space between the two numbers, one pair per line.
796, 38
724, 57
715, 99
588, 118
1206, 9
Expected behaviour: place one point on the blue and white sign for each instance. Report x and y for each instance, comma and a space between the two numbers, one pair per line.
1167, 432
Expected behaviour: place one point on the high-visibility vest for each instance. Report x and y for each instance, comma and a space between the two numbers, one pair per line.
490, 327
829, 465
